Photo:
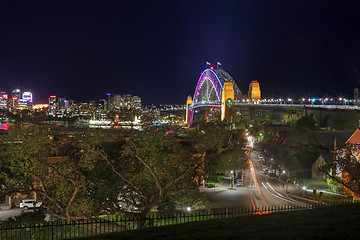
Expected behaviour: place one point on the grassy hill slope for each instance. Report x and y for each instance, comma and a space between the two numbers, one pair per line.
336, 222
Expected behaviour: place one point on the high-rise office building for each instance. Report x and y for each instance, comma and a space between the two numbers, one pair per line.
27, 96
3, 100
121, 101
63, 105
15, 97
16, 93
52, 105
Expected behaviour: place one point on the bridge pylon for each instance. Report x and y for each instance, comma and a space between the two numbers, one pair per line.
189, 101
254, 91
227, 99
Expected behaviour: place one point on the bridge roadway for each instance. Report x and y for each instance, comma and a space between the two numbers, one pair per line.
257, 192
277, 105
324, 115
332, 106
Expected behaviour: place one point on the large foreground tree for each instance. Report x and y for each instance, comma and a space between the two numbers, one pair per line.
59, 169
151, 168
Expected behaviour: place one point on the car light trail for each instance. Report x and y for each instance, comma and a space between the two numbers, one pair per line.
251, 197
280, 196
252, 174
252, 169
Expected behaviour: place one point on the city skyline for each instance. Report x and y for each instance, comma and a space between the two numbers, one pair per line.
157, 49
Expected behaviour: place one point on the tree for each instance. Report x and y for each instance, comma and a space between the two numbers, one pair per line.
297, 150
348, 120
223, 148
343, 168
61, 182
307, 122
152, 168
231, 159
80, 175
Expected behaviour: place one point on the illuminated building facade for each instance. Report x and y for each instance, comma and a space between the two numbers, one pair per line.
27, 96
3, 100
137, 102
26, 101
121, 101
16, 100
254, 90
15, 96
16, 93
52, 105
23, 104
63, 105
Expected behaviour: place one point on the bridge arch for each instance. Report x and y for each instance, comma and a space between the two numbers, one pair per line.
209, 90
210, 85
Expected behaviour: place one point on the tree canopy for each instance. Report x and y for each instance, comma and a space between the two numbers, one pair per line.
81, 174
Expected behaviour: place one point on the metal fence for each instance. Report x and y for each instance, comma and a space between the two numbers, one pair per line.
111, 223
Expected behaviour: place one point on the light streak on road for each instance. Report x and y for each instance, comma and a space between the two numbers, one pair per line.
252, 169
273, 192
254, 201
247, 150
259, 202
251, 197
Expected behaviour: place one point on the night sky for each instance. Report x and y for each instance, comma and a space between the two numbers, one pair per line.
157, 49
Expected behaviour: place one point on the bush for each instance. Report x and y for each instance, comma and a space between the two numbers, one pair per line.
307, 122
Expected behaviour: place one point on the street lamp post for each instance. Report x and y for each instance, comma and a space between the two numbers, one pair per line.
304, 190
285, 179
231, 179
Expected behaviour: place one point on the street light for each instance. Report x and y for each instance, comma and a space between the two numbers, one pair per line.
231, 180
284, 172
304, 189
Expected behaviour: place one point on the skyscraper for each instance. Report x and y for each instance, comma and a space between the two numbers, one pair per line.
52, 105
3, 100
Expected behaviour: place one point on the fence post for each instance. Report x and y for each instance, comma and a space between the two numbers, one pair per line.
52, 231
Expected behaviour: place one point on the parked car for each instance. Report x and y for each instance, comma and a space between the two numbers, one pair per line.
239, 182
29, 203
271, 175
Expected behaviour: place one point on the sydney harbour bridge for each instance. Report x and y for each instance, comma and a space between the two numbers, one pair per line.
217, 89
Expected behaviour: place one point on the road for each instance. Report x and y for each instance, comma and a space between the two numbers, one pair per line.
266, 192
6, 213
258, 191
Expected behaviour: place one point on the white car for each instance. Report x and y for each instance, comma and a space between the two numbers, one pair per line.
29, 203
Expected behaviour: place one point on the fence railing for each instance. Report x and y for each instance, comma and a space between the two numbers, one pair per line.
107, 224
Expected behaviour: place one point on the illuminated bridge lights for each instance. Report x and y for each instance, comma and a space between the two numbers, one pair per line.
206, 105
209, 77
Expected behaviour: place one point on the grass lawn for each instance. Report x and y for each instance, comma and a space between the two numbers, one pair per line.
327, 196
311, 184
336, 222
